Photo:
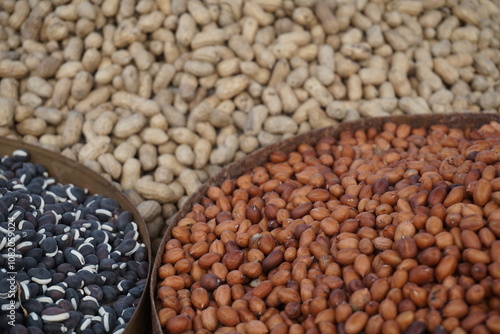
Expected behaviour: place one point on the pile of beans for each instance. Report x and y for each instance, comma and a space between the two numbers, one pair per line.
377, 231
70, 261
158, 95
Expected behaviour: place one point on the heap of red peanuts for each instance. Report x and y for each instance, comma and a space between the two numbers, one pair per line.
377, 232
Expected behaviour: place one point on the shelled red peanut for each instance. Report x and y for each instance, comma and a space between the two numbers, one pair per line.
377, 232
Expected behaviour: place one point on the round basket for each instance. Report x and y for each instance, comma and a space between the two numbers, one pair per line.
67, 171
259, 157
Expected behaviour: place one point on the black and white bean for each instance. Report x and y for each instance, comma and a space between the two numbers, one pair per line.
34, 320
74, 257
40, 275
56, 292
80, 264
49, 247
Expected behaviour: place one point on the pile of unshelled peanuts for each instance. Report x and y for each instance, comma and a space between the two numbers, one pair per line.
375, 232
158, 95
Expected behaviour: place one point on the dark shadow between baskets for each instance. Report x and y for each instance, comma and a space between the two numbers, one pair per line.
259, 157
66, 171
